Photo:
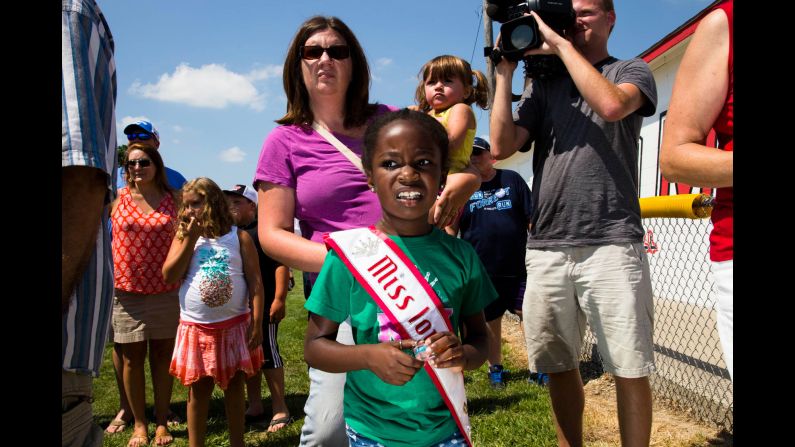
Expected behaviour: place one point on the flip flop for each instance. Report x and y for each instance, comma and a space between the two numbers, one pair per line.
283, 420
161, 434
118, 424
138, 441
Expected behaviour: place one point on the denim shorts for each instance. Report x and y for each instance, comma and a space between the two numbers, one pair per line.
355, 439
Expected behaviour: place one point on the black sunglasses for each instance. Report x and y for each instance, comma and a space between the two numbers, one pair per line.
312, 52
140, 136
141, 162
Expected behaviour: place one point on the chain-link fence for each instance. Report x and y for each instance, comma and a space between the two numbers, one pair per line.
691, 374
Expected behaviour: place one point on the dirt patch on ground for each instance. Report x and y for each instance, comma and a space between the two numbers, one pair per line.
600, 424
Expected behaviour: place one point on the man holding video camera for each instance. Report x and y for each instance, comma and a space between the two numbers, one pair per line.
585, 260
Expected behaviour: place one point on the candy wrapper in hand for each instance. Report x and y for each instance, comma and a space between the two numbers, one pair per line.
422, 352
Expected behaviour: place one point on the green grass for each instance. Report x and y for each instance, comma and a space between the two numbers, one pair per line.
517, 415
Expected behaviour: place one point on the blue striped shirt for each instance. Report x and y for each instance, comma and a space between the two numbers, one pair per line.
88, 102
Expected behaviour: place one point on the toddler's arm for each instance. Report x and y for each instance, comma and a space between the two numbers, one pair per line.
457, 191
459, 186
461, 119
386, 360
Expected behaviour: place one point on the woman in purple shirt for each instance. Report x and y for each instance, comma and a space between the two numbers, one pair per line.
302, 175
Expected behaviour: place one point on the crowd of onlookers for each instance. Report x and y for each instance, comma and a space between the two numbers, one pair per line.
412, 244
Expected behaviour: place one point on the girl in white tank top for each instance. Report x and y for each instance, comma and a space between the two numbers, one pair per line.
218, 341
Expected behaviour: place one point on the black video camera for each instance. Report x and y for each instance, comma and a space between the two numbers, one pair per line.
519, 32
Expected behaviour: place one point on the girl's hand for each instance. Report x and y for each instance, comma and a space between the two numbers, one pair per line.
254, 335
392, 365
448, 352
191, 226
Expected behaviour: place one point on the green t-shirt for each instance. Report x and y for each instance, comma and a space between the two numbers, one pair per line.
413, 414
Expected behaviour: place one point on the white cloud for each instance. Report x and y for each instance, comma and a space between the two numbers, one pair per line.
210, 86
177, 128
132, 119
266, 72
232, 155
383, 62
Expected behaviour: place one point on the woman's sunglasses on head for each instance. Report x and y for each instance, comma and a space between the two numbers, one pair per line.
312, 52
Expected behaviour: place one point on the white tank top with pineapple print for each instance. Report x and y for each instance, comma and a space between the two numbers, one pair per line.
214, 288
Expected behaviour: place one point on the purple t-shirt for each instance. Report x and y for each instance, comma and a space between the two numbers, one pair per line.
331, 193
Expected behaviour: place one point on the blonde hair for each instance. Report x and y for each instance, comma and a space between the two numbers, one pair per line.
446, 67
215, 218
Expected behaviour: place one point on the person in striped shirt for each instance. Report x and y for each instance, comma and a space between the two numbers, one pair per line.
88, 161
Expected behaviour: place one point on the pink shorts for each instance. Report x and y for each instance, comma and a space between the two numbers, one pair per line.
217, 350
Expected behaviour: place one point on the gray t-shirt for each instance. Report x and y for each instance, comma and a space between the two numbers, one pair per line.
585, 184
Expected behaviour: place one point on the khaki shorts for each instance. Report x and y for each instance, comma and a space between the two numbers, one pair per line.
608, 286
138, 317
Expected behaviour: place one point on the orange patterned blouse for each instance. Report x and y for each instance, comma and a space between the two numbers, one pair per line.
140, 244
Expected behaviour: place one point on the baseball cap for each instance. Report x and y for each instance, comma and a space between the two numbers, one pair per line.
480, 143
145, 125
243, 190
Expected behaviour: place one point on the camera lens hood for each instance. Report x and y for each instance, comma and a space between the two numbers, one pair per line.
517, 36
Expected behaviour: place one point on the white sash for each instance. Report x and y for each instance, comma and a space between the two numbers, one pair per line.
399, 289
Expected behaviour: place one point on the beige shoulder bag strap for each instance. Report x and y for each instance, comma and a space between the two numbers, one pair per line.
339, 145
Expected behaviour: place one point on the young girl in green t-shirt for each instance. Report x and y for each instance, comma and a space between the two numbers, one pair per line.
389, 398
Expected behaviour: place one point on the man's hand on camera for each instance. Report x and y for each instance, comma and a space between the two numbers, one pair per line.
551, 41
505, 66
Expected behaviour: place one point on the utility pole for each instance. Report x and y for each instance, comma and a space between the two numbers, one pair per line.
488, 41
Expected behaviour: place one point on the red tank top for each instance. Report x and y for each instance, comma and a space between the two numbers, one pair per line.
722, 237
140, 244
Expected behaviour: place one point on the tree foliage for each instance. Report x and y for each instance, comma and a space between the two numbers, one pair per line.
120, 151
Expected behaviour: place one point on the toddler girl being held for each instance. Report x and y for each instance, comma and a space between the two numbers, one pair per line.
446, 91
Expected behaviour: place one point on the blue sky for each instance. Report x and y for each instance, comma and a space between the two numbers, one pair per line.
208, 73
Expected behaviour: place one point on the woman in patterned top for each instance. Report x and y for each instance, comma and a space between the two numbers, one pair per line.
145, 308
